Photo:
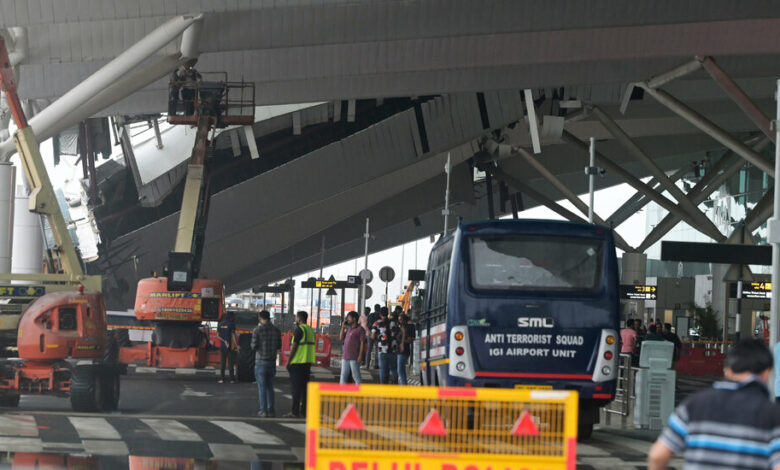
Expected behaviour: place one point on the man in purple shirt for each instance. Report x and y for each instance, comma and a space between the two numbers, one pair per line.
353, 338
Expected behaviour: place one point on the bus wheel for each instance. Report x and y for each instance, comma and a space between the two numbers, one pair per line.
584, 431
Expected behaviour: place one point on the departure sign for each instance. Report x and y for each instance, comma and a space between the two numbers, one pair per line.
325, 284
638, 292
752, 290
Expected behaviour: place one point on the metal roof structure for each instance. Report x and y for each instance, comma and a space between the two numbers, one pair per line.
466, 69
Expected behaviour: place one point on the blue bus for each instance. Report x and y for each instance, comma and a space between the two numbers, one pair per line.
526, 304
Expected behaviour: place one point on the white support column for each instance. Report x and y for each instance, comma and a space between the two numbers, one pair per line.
28, 236
7, 188
774, 239
533, 126
249, 133
71, 105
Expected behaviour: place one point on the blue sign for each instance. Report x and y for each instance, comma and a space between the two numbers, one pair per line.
22, 291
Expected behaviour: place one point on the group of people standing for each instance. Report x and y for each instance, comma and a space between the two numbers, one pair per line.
634, 334
391, 334
266, 343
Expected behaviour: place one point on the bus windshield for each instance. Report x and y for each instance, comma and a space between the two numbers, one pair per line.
535, 263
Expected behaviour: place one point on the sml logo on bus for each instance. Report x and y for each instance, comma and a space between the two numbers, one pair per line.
534, 322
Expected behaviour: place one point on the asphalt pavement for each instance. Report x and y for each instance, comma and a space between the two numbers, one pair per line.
187, 415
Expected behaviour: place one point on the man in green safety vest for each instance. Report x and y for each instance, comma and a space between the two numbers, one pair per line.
301, 359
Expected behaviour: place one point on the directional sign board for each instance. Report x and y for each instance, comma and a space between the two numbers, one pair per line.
752, 290
322, 284
638, 292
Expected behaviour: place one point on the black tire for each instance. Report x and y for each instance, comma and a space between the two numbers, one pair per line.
245, 363
9, 401
86, 388
109, 378
122, 336
111, 350
584, 431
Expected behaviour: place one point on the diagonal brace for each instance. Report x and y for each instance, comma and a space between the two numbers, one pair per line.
635, 182
634, 150
709, 128
706, 186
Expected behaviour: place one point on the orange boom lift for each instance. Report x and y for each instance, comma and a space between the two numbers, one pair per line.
179, 303
61, 336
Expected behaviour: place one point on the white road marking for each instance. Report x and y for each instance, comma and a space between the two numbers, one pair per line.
287, 396
21, 444
300, 427
248, 433
93, 428
189, 392
99, 447
63, 445
171, 430
235, 452
18, 425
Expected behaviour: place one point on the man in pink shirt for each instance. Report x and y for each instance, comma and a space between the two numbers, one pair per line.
628, 338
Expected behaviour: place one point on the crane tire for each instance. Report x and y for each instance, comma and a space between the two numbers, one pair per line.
9, 401
86, 388
109, 378
245, 362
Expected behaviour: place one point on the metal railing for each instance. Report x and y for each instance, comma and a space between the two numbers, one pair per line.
625, 392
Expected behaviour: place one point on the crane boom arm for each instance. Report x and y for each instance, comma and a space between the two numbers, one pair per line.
42, 198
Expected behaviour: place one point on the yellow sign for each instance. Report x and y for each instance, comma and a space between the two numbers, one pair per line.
325, 284
386, 427
764, 286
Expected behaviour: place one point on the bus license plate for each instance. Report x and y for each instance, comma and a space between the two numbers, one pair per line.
533, 387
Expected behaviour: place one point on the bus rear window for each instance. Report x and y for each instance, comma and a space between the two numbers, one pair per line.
535, 263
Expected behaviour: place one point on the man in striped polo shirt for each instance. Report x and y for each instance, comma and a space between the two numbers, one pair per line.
734, 425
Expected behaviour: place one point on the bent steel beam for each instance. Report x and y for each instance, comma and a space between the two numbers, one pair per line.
762, 211
568, 194
737, 96
706, 186
709, 128
634, 150
527, 190
632, 180
71, 104
674, 74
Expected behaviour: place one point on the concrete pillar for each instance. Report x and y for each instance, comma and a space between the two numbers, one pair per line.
634, 272
7, 186
28, 239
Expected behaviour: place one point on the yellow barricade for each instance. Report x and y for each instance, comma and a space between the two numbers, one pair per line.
388, 427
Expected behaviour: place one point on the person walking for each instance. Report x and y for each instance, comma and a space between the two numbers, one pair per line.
226, 333
266, 341
734, 425
628, 338
302, 356
373, 317
353, 338
405, 339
